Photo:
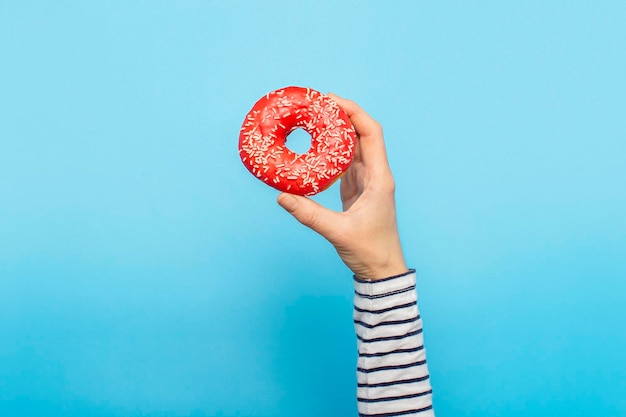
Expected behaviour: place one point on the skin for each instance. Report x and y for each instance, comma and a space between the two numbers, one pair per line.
365, 234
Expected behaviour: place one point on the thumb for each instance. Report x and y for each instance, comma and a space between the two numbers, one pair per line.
311, 214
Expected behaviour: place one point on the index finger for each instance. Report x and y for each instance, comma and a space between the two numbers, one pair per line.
364, 124
370, 132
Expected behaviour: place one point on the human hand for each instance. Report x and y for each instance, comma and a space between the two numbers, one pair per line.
365, 234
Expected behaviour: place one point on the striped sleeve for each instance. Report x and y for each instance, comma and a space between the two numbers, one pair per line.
392, 373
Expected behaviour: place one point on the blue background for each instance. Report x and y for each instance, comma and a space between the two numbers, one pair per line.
143, 271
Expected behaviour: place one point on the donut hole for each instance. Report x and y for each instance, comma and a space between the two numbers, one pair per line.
298, 141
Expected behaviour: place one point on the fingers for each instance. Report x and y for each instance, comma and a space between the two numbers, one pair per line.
324, 221
372, 144
364, 124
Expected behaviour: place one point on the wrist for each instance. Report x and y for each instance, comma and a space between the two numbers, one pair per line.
382, 271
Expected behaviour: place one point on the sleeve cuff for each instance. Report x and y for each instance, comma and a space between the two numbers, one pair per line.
385, 286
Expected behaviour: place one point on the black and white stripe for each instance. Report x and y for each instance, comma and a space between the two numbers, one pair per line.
392, 372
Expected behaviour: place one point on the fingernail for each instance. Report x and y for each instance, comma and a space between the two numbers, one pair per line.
288, 202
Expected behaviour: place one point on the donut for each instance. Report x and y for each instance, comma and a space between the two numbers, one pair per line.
263, 135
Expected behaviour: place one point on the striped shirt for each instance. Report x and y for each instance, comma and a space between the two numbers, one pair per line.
392, 373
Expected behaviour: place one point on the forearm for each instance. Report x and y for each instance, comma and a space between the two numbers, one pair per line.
393, 377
